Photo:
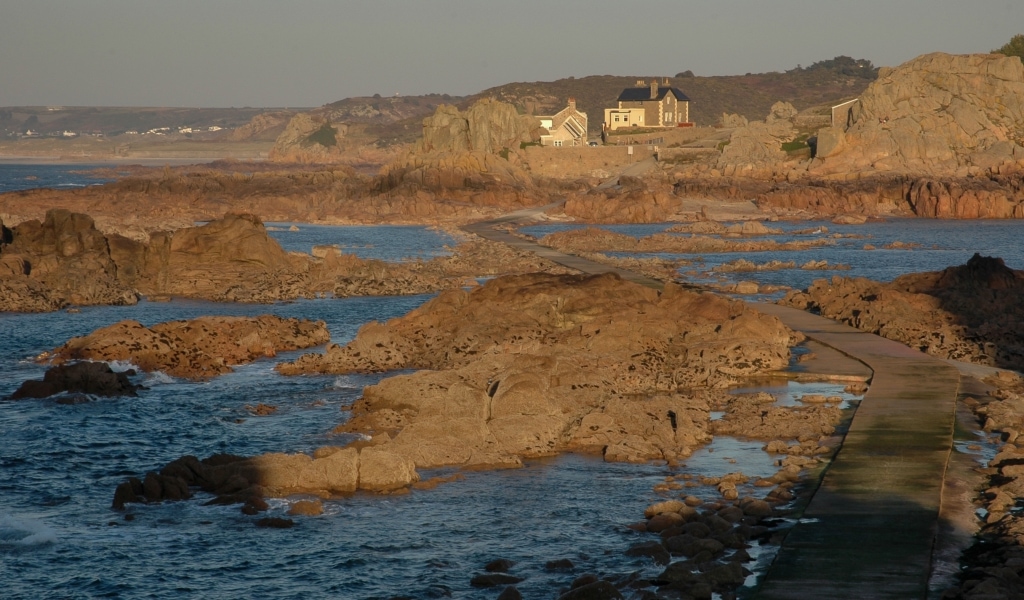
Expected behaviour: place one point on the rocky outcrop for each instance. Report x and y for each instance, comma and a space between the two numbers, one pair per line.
971, 312
91, 378
330, 471
469, 155
196, 349
635, 203
230, 259
937, 114
59, 261
595, 239
488, 126
755, 150
309, 138
536, 364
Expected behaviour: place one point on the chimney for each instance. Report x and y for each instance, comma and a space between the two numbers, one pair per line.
572, 102
640, 83
654, 88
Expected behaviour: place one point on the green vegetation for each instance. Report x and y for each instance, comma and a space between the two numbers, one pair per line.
326, 136
503, 153
844, 65
723, 144
797, 144
630, 131
1015, 47
525, 145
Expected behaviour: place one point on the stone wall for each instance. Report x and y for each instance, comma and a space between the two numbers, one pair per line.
600, 162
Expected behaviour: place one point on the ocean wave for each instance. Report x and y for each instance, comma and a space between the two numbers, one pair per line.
21, 531
120, 366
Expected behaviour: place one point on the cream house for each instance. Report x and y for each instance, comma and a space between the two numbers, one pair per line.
568, 127
654, 105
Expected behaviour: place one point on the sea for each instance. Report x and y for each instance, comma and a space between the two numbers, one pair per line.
60, 464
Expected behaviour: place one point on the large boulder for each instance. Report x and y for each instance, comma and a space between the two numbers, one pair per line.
61, 260
93, 378
487, 126
195, 349
937, 114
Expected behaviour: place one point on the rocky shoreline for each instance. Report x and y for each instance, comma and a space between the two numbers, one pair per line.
64, 260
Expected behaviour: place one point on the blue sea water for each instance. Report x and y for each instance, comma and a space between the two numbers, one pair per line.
59, 464
929, 245
17, 176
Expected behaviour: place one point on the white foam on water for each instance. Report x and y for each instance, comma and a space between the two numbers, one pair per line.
22, 531
159, 377
120, 366
343, 382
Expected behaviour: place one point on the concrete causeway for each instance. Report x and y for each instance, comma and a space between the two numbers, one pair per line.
870, 528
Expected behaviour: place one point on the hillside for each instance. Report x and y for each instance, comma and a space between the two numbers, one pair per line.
750, 95
114, 120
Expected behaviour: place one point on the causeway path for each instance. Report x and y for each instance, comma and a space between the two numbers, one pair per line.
870, 528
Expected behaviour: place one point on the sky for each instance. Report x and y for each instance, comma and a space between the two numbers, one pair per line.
306, 53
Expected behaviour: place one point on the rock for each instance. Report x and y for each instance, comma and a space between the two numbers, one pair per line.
93, 378
500, 565
969, 312
850, 219
663, 521
307, 508
561, 564
512, 370
196, 349
598, 590
831, 141
275, 523
652, 550
59, 261
952, 119
237, 480
488, 126
668, 506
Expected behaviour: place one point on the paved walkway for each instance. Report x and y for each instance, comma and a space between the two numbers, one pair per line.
869, 530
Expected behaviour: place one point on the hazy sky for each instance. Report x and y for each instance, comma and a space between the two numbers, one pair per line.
310, 52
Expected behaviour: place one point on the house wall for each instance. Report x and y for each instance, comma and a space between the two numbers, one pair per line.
634, 115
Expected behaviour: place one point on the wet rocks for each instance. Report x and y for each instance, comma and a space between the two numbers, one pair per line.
755, 416
59, 261
238, 480
195, 349
93, 378
969, 312
275, 523
595, 240
537, 364
306, 508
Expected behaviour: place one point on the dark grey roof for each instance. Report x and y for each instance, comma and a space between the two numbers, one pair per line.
640, 94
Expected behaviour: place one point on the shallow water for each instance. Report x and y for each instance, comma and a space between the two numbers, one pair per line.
59, 466
14, 176
941, 244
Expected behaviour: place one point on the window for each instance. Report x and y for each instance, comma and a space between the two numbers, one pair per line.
625, 118
616, 118
558, 143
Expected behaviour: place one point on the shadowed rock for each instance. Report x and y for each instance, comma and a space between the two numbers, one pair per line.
93, 378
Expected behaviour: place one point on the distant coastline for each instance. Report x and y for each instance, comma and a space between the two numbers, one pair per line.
111, 160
